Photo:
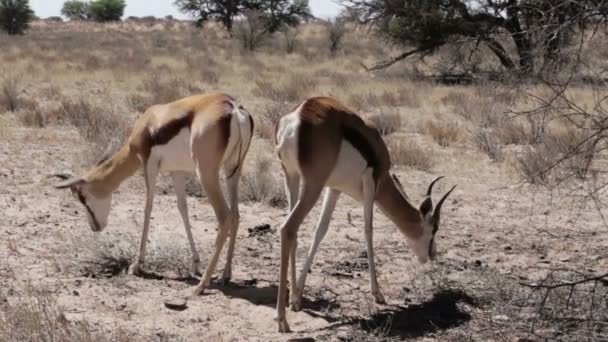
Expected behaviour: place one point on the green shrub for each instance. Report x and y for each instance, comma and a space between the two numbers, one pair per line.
15, 16
106, 10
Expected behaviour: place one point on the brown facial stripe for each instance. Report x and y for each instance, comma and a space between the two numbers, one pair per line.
361, 144
84, 202
165, 133
252, 125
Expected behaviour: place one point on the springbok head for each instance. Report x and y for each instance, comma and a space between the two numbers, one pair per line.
425, 247
97, 207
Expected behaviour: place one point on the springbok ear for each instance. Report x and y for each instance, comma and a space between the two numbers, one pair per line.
68, 180
426, 208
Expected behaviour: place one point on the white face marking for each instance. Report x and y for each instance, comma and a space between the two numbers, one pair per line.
97, 210
420, 246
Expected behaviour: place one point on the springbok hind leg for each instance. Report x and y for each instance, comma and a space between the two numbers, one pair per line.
211, 184
232, 184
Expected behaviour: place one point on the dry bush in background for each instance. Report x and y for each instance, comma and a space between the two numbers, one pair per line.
9, 93
444, 133
387, 121
259, 184
406, 152
336, 29
38, 317
290, 36
31, 114
488, 143
100, 125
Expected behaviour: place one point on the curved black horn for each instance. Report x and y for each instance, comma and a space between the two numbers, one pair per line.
437, 211
62, 176
430, 189
67, 180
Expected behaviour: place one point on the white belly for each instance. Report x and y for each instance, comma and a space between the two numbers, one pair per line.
348, 172
174, 155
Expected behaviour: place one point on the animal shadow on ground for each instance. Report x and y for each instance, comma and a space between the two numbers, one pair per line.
441, 312
267, 295
110, 267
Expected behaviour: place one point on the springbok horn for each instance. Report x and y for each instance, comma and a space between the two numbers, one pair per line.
62, 176
430, 189
68, 180
437, 211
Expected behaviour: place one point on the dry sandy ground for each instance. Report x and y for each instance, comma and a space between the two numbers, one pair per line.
515, 233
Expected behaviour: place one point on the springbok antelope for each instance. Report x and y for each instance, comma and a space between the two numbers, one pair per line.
206, 134
323, 144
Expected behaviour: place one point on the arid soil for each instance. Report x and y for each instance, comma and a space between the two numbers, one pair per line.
487, 230
82, 84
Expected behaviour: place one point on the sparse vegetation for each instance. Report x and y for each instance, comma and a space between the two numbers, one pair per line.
84, 83
9, 93
38, 317
260, 185
444, 134
407, 153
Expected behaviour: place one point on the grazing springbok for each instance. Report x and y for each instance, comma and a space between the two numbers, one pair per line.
323, 144
206, 134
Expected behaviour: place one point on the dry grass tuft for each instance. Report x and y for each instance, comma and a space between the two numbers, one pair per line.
562, 155
38, 317
32, 114
445, 134
100, 126
408, 153
513, 132
387, 122
261, 185
295, 88
9, 93
483, 111
488, 143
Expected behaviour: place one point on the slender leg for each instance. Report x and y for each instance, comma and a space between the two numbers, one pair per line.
289, 231
329, 204
210, 180
179, 183
292, 188
150, 173
233, 197
369, 191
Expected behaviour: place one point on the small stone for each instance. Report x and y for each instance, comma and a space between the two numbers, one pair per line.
500, 318
177, 304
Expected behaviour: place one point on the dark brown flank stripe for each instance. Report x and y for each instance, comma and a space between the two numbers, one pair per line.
166, 132
364, 148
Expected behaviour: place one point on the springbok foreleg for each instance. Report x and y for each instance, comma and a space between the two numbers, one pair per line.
369, 193
150, 173
329, 204
179, 183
